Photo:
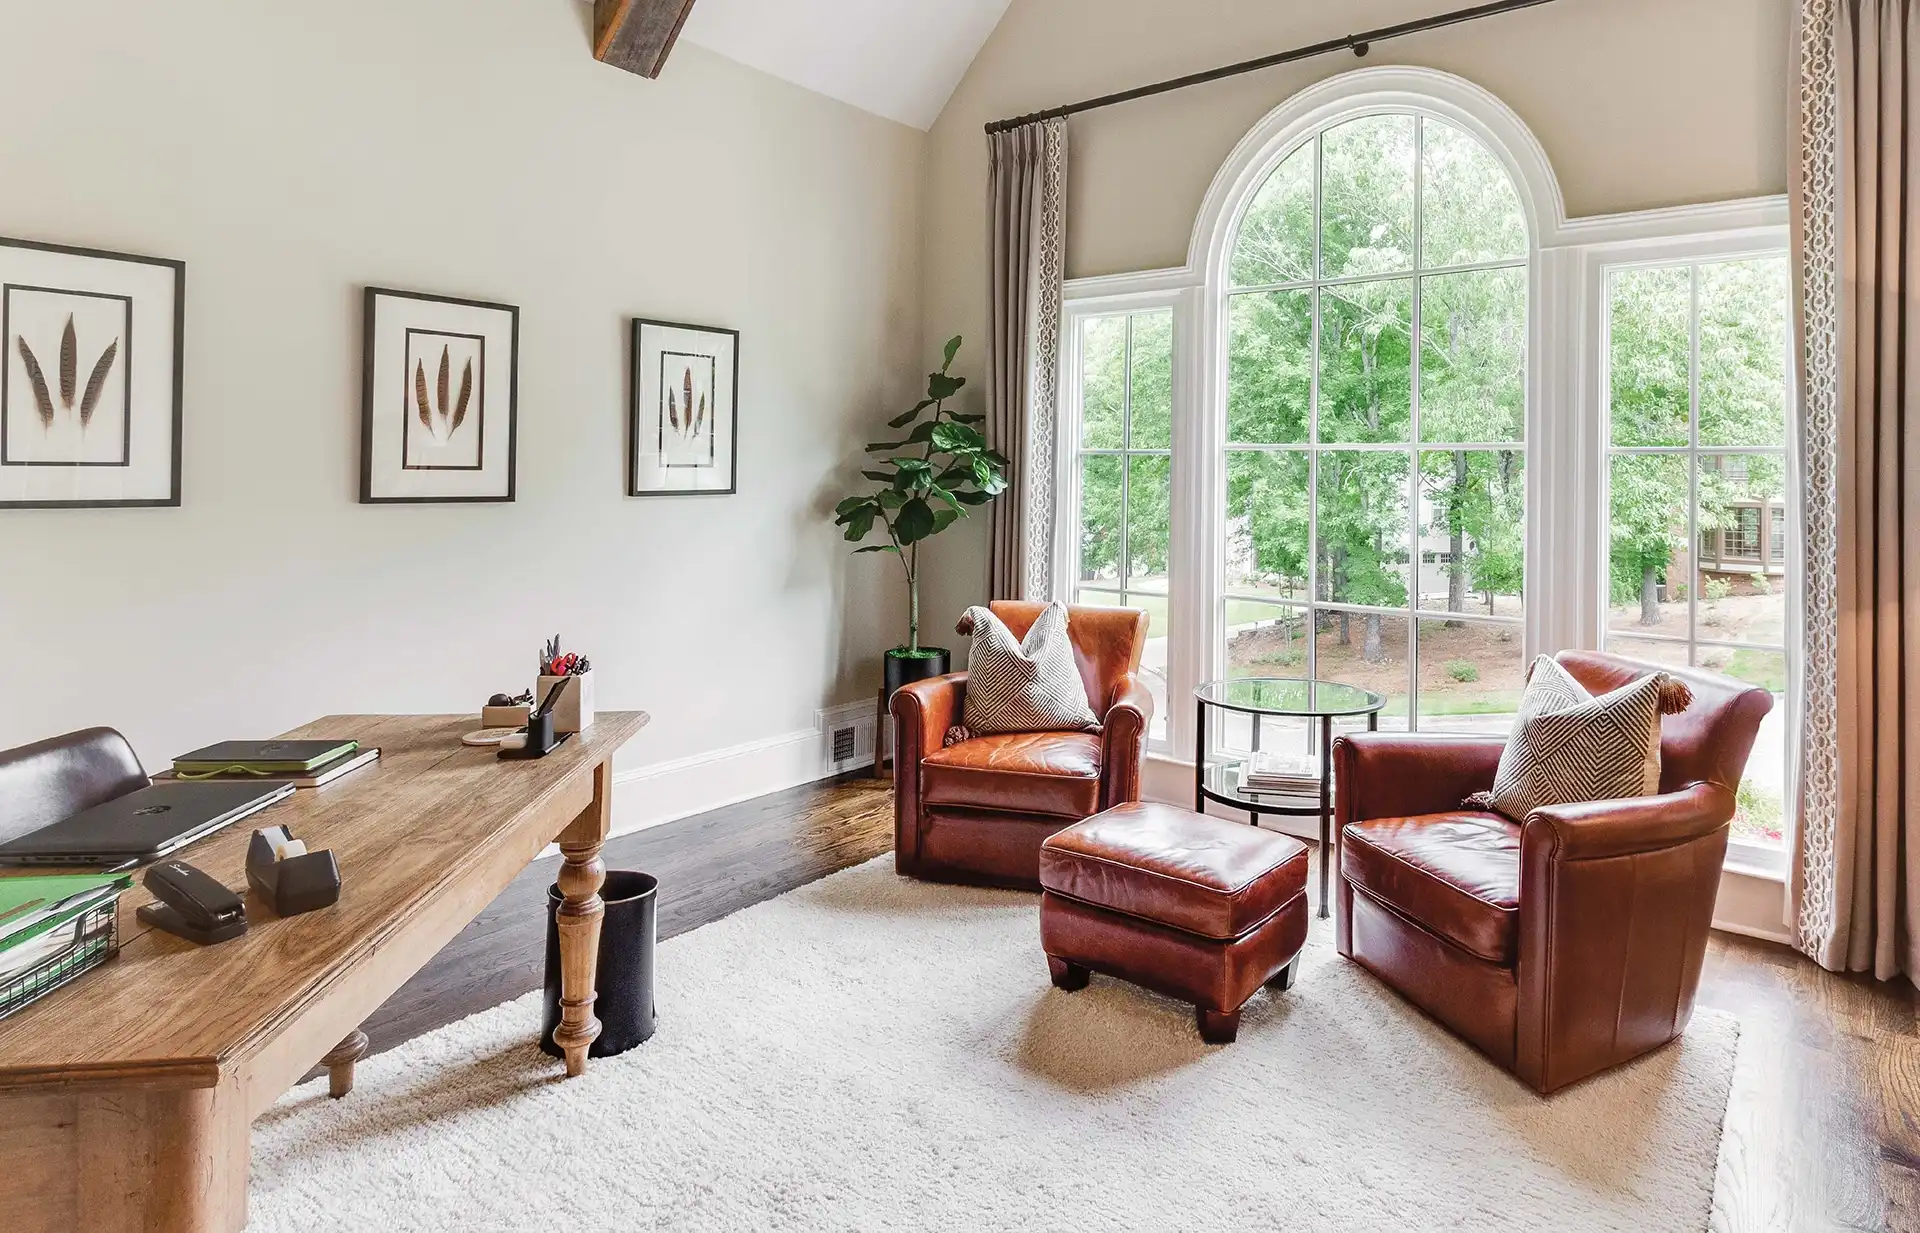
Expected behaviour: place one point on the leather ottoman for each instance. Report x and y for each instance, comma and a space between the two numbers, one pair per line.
1197, 908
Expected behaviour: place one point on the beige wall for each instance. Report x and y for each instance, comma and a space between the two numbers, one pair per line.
291, 154
1638, 103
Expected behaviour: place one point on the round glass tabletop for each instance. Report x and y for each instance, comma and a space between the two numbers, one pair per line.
1285, 695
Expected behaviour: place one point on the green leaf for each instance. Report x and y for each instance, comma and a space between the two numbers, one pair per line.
953, 349
881, 447
941, 494
974, 498
891, 499
875, 548
944, 518
915, 523
967, 419
909, 417
996, 458
860, 523
941, 387
881, 477
956, 439
924, 433
853, 503
914, 476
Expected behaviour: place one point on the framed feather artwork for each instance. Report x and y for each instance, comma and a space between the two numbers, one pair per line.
90, 377
439, 401
685, 412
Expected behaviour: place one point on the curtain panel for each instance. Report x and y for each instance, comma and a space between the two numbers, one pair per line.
1856, 218
1027, 226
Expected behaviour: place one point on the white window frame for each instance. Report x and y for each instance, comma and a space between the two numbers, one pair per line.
1566, 546
1693, 237
1066, 545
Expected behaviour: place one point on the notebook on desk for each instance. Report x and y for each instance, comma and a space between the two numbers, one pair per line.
264, 757
143, 825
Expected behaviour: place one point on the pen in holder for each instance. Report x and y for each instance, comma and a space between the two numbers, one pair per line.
540, 736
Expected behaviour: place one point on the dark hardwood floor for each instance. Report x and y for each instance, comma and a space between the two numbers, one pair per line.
1825, 1128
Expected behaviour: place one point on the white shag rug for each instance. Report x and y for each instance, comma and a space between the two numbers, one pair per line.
870, 1052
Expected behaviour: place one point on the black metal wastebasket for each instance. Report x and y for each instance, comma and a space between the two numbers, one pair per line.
624, 982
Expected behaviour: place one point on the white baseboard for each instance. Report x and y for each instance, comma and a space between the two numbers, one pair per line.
646, 796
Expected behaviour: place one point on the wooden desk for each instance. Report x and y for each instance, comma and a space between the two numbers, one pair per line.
126, 1098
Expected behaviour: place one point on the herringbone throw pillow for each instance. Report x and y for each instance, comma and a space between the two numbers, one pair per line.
1569, 746
1033, 686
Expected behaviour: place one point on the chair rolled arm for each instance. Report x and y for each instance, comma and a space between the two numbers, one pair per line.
1123, 740
1394, 775
1592, 830
924, 710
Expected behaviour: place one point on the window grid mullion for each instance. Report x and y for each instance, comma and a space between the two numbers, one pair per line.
1413, 430
1313, 411
1693, 447
1348, 280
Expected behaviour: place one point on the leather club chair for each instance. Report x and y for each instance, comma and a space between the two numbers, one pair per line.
979, 811
1559, 946
56, 778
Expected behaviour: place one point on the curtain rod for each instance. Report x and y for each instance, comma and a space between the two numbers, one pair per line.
1358, 44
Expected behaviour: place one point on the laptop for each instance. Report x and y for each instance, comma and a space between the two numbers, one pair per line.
143, 826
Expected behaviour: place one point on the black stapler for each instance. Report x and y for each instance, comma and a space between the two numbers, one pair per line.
191, 904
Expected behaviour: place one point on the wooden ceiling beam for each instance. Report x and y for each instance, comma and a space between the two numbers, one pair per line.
637, 35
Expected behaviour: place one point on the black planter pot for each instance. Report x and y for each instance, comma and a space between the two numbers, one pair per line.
623, 983
905, 670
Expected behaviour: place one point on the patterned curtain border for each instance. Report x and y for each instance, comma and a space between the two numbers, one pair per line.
1048, 300
1816, 222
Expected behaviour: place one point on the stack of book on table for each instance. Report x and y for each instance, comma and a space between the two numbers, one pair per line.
304, 764
52, 929
1278, 774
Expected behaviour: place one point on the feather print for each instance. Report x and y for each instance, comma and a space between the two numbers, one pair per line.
441, 389
420, 393
700, 420
69, 364
688, 403
38, 380
460, 404
673, 410
97, 382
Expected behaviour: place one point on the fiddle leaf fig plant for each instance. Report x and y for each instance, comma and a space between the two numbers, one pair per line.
926, 482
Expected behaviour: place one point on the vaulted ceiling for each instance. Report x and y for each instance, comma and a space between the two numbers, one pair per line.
897, 58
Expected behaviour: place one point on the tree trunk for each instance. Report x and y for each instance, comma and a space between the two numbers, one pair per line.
1346, 629
1650, 596
1457, 541
1373, 651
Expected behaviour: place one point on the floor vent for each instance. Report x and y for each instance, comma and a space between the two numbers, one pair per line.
843, 743
847, 733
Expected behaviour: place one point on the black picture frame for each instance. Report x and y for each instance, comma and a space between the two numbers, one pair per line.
176, 437
368, 355
642, 391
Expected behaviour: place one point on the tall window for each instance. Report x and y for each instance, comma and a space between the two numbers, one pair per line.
1375, 506
1125, 447
1697, 518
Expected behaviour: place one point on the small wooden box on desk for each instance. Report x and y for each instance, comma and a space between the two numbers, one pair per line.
125, 1098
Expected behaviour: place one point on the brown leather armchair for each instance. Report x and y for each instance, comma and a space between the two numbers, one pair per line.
979, 811
1559, 946
56, 778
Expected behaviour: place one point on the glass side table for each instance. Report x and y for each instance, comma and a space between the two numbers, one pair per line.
1219, 776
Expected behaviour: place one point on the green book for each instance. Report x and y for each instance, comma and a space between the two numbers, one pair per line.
260, 757
31, 906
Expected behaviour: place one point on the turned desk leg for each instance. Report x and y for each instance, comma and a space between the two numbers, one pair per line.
339, 1063
578, 920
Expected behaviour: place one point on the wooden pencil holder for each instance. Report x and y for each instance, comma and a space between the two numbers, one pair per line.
573, 712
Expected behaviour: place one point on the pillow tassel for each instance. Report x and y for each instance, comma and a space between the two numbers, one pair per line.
1675, 697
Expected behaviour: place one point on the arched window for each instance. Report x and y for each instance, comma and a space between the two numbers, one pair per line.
1374, 512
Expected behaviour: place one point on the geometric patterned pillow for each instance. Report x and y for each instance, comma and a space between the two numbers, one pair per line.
1033, 686
1569, 746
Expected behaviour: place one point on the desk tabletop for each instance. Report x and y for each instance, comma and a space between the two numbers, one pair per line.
408, 832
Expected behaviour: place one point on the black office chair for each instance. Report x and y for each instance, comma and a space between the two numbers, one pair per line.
56, 778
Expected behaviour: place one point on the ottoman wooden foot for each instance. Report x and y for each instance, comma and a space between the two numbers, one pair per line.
1217, 1027
1282, 980
1069, 976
